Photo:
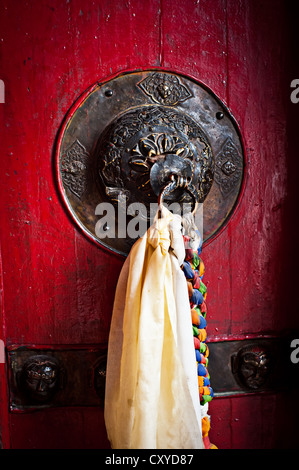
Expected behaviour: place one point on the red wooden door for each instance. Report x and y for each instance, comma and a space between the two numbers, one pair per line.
57, 286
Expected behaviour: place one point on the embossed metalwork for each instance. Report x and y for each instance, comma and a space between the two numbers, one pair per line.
162, 171
252, 366
228, 167
40, 378
132, 144
165, 89
179, 182
125, 136
51, 377
74, 165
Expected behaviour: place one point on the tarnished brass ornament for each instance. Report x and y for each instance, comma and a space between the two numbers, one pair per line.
124, 138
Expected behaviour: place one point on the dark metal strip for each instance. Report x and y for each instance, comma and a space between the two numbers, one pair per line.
251, 366
57, 377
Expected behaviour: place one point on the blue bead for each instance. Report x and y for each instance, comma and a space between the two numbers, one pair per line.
206, 382
197, 297
201, 370
198, 356
187, 270
202, 322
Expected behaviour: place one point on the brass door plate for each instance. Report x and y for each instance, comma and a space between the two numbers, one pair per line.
113, 140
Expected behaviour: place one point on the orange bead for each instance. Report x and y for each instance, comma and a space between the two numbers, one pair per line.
190, 289
205, 424
202, 335
201, 268
194, 317
200, 380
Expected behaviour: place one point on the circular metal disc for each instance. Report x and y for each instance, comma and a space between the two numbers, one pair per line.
77, 159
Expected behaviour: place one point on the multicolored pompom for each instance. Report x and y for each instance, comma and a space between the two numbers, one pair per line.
194, 269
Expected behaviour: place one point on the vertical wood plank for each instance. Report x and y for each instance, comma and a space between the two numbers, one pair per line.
256, 77
194, 41
193, 35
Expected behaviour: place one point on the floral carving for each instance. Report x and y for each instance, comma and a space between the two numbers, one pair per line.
228, 168
74, 165
149, 150
132, 144
165, 89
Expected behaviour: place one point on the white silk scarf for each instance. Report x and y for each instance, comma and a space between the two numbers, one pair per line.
151, 397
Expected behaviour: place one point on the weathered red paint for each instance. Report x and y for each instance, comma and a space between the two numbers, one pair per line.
57, 286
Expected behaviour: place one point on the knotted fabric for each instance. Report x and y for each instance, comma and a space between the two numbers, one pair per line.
151, 397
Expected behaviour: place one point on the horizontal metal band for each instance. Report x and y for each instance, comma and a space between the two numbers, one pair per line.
251, 366
57, 377
42, 378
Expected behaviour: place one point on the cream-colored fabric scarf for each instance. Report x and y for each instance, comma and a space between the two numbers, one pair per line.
151, 397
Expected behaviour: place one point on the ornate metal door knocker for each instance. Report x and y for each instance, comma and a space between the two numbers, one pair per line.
40, 378
252, 366
125, 137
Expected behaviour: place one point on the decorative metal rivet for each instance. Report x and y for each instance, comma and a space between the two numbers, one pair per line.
40, 378
228, 168
251, 366
108, 93
219, 115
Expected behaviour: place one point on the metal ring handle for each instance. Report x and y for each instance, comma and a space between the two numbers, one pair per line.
179, 182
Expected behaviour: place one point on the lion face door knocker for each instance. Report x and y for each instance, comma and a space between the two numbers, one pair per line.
125, 137
40, 378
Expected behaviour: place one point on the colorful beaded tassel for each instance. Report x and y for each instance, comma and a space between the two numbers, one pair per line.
193, 268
